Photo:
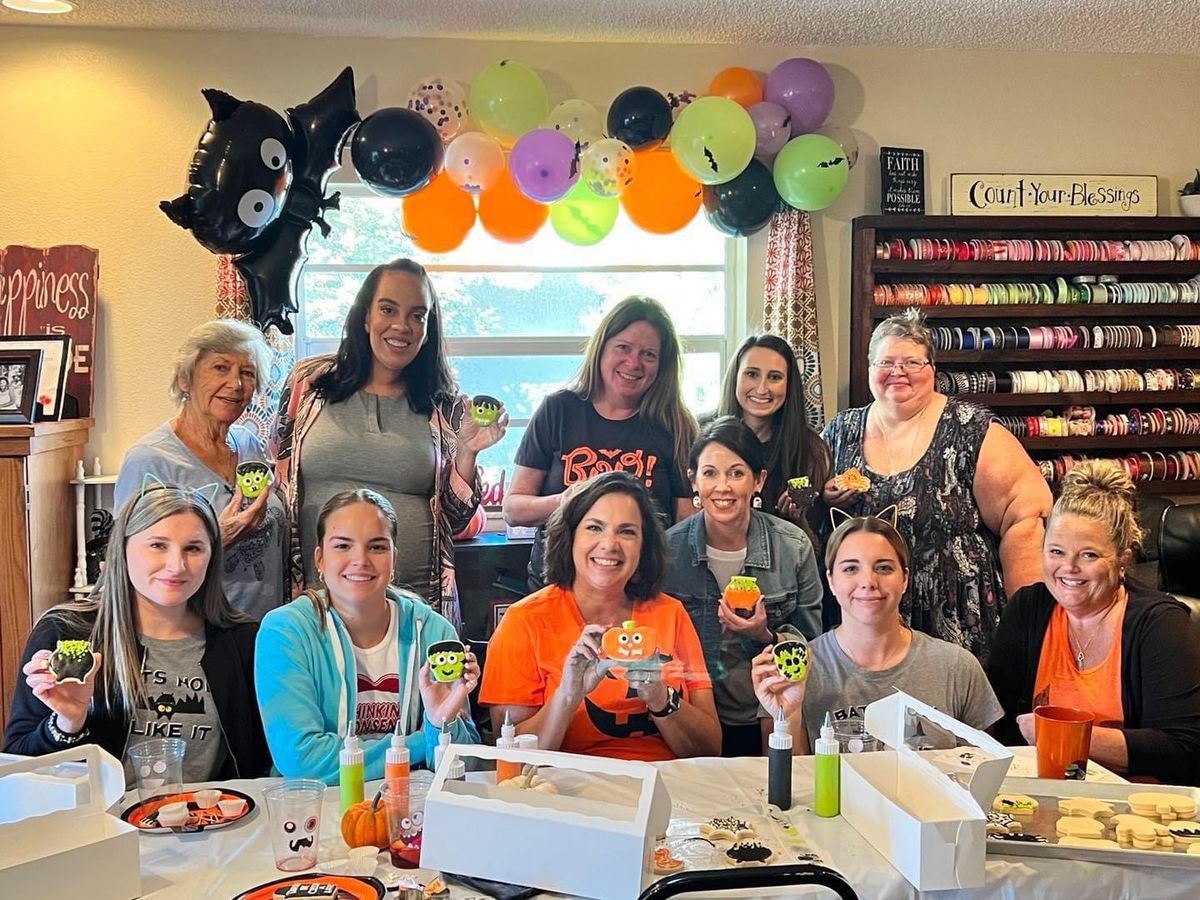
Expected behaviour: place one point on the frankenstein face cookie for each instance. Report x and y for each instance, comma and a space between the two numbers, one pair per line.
748, 852
253, 478
485, 409
726, 828
1015, 804
791, 658
446, 661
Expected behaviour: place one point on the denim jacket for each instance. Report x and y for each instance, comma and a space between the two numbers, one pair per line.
778, 554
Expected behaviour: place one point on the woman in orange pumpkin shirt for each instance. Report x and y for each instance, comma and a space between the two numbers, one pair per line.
1090, 638
605, 563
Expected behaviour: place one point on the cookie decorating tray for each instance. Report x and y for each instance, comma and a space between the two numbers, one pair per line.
1044, 823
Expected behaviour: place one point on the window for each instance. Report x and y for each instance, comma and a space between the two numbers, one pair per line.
517, 317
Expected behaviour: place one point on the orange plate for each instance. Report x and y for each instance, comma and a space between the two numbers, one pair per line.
358, 887
141, 815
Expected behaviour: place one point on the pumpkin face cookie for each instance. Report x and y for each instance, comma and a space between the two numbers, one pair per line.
1015, 804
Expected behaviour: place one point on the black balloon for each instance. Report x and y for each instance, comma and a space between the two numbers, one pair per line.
744, 205
263, 220
396, 152
239, 176
641, 117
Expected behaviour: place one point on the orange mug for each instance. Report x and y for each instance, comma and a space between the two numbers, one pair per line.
1063, 737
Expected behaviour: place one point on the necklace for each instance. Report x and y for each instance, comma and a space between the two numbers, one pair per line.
1081, 653
912, 447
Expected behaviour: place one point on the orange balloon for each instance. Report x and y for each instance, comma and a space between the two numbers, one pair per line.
507, 214
439, 216
738, 84
663, 198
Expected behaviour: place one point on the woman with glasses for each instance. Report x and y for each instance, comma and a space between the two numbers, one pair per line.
971, 502
171, 657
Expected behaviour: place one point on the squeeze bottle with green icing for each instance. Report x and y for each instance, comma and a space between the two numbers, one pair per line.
827, 780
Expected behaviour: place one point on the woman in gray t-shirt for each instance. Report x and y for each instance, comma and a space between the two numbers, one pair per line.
872, 653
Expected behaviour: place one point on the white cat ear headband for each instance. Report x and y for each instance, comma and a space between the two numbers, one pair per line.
891, 515
207, 492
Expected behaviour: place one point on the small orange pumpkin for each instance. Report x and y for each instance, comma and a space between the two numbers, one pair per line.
630, 642
365, 824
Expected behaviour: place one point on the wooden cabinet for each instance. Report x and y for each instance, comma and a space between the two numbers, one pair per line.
37, 534
1053, 280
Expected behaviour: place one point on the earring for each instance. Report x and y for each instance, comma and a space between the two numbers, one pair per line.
696, 500
757, 501
187, 395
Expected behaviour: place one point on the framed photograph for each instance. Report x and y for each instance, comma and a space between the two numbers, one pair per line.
19, 371
51, 386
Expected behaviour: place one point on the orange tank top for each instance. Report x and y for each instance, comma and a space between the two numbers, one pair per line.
1061, 683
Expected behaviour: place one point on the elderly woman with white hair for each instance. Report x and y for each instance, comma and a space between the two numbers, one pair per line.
217, 372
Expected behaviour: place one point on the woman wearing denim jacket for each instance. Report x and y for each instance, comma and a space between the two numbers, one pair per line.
731, 536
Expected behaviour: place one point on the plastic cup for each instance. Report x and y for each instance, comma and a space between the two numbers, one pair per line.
295, 810
1063, 737
853, 738
158, 766
406, 820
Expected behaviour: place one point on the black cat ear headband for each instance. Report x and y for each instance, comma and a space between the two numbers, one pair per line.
891, 515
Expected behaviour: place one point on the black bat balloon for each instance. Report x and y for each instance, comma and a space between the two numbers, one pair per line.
256, 187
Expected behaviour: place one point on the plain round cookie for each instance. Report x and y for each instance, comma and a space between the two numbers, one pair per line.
1079, 826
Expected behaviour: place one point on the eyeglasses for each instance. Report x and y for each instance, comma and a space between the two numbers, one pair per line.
907, 366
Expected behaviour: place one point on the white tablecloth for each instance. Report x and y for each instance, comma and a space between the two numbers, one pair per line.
221, 864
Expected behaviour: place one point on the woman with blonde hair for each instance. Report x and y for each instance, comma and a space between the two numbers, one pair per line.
218, 370
623, 411
162, 632
970, 499
1090, 637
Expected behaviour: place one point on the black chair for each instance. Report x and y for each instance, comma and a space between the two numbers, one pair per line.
747, 879
1179, 555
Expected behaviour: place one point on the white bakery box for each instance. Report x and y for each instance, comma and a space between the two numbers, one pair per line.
56, 837
592, 837
929, 823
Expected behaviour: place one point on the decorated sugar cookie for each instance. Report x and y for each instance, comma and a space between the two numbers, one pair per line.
253, 478
665, 862
727, 828
1017, 836
742, 593
1015, 804
485, 409
630, 651
791, 657
801, 492
1185, 832
72, 661
447, 660
749, 852
852, 480
1002, 823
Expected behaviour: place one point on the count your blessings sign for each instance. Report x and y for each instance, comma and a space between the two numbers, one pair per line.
1053, 195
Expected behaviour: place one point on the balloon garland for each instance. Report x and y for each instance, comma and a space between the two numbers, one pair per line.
742, 151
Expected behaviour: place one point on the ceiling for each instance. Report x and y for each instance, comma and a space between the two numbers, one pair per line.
1120, 26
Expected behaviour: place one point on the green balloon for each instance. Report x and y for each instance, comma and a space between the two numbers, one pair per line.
713, 139
811, 171
508, 99
582, 218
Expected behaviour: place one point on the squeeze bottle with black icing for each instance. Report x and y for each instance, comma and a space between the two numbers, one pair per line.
350, 769
779, 764
827, 778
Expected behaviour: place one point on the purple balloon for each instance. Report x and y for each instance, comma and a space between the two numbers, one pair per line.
772, 128
805, 89
544, 165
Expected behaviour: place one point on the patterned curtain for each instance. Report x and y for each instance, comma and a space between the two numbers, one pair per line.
234, 303
790, 301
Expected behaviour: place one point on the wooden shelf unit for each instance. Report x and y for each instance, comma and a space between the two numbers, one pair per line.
865, 314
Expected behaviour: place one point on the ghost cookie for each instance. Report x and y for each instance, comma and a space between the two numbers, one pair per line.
1086, 807
1015, 804
749, 852
1161, 805
1185, 832
727, 828
665, 863
1086, 843
1079, 826
1002, 823
1142, 833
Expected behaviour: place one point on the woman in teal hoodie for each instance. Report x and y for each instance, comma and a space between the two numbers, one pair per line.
355, 649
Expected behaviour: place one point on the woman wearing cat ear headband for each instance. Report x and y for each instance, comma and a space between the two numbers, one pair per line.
872, 652
157, 619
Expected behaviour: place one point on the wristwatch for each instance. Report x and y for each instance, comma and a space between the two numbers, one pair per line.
674, 701
62, 737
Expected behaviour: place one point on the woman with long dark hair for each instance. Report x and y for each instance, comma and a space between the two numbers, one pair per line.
623, 411
384, 413
764, 388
